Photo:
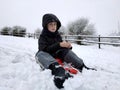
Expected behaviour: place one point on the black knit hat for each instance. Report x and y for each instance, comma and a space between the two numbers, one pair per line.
47, 18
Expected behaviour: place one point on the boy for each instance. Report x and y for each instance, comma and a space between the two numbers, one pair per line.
52, 46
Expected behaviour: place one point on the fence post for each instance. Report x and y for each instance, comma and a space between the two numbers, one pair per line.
34, 35
99, 42
66, 38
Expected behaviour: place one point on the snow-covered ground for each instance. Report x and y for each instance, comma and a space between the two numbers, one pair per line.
19, 70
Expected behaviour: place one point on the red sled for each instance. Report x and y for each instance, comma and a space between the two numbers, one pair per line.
69, 68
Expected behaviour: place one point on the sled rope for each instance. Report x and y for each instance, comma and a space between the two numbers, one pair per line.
88, 68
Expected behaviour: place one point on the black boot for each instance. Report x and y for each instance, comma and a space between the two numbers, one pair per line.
60, 74
80, 68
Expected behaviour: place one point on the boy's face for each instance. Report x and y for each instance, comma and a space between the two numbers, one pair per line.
52, 26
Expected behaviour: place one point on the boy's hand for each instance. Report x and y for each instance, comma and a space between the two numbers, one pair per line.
65, 44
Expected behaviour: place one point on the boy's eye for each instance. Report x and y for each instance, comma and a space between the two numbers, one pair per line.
51, 24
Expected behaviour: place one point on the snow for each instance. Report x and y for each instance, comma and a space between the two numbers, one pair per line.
19, 70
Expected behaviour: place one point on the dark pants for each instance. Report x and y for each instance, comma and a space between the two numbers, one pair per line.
45, 59
72, 58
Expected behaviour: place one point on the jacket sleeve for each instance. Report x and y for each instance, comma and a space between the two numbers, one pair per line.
44, 46
53, 48
41, 44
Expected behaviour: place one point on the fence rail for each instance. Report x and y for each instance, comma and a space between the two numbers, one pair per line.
98, 41
113, 40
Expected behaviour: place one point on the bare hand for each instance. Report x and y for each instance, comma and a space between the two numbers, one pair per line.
65, 44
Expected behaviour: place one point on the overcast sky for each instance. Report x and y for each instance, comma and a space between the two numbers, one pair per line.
105, 14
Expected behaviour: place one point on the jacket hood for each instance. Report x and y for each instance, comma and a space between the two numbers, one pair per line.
47, 18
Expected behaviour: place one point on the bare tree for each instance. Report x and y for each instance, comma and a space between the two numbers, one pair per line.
81, 27
37, 32
19, 31
62, 30
6, 30
89, 30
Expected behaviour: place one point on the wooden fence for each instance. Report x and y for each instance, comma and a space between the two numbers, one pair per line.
107, 40
86, 39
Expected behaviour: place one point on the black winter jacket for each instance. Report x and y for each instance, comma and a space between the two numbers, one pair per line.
50, 41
